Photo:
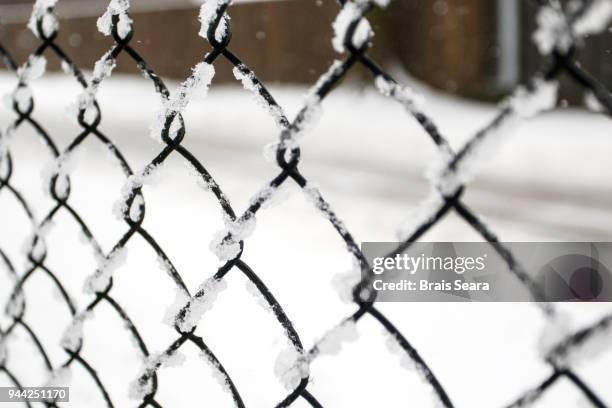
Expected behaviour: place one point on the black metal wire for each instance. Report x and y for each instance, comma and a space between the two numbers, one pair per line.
288, 160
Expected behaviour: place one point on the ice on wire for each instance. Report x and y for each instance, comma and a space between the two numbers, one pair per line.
181, 300
59, 168
314, 196
542, 96
33, 69
103, 69
208, 13
217, 371
256, 293
333, 340
43, 11
595, 18
34, 246
587, 348
190, 314
149, 175
116, 8
350, 13
198, 82
143, 386
553, 31
100, 280
73, 335
226, 242
345, 282
305, 122
523, 104
248, 80
291, 366
410, 99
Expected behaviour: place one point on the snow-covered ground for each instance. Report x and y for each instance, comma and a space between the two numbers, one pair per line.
550, 181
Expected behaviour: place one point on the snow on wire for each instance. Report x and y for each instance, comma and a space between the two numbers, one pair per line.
560, 31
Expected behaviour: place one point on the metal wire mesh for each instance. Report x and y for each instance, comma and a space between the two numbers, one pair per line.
173, 132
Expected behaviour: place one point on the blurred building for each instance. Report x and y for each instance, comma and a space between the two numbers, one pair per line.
476, 48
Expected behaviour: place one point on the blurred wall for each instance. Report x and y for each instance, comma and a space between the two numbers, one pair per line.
453, 45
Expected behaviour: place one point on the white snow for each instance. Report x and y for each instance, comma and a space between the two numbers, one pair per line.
106, 266
527, 103
143, 385
314, 196
35, 245
226, 242
208, 11
524, 104
592, 103
200, 303
103, 69
595, 19
33, 69
345, 282
332, 341
553, 30
394, 347
49, 20
198, 82
351, 11
116, 8
61, 167
310, 115
181, 298
372, 186
73, 335
259, 297
195, 174
291, 366
410, 99
217, 373
248, 82
149, 175
23, 96
424, 212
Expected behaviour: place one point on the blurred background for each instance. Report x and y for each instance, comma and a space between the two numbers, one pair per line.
475, 48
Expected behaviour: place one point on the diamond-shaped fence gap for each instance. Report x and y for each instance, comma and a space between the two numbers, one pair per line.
252, 368
19, 227
522, 364
196, 220
69, 250
145, 274
106, 353
201, 387
379, 374
29, 356
315, 266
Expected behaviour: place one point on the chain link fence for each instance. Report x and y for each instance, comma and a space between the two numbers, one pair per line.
561, 34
